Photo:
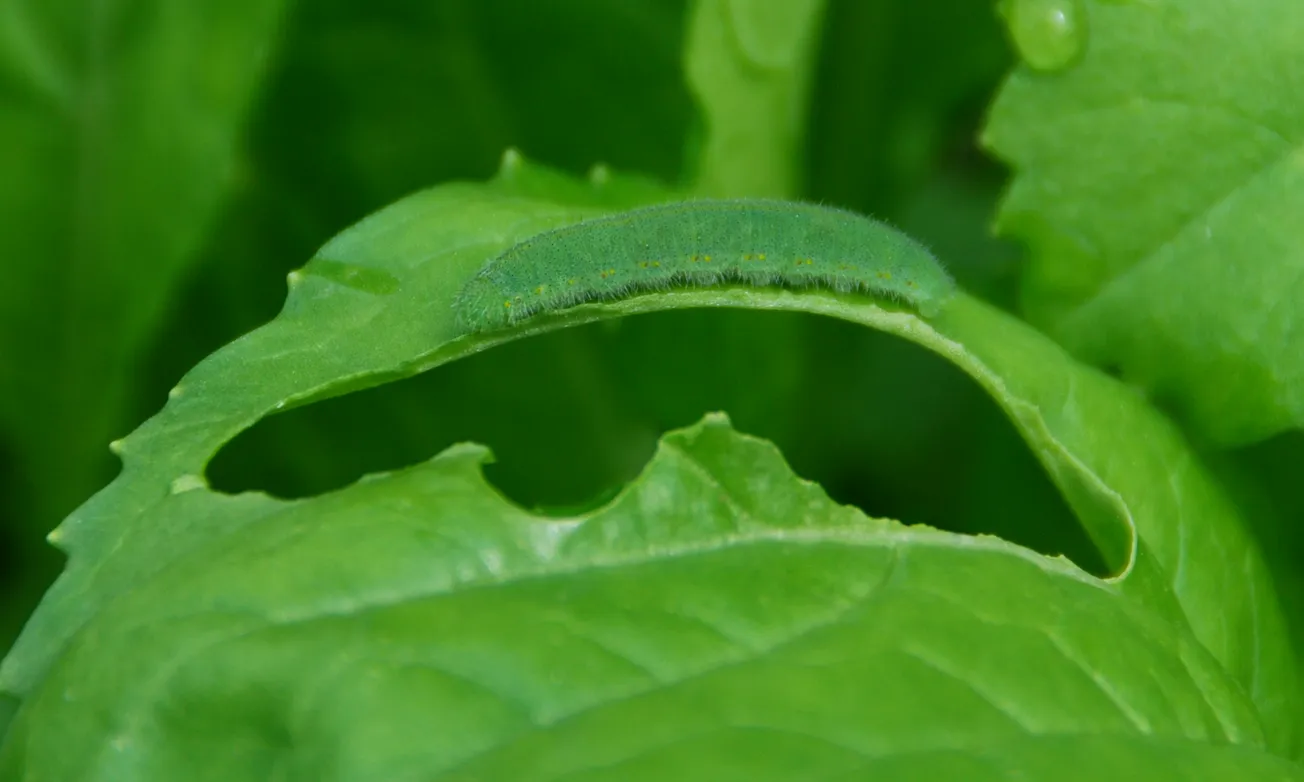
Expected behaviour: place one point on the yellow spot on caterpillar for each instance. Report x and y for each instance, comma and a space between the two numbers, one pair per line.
885, 275
507, 304
760, 256
656, 264
539, 290
706, 258
911, 283
573, 281
804, 261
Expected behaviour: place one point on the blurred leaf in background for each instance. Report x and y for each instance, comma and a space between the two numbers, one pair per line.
119, 127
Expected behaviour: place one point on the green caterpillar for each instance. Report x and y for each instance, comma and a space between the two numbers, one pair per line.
705, 242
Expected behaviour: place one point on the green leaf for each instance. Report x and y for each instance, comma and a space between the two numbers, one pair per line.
717, 617
389, 273
1187, 631
1158, 184
749, 63
1122, 466
117, 142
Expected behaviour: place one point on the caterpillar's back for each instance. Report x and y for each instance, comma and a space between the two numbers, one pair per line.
706, 242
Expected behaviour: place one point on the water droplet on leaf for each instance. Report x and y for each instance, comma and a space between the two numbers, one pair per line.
1049, 34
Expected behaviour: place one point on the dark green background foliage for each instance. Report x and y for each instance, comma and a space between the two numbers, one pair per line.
167, 164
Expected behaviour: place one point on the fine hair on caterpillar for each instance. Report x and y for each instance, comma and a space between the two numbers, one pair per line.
701, 243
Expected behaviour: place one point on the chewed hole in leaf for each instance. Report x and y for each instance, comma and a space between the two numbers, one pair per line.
574, 415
